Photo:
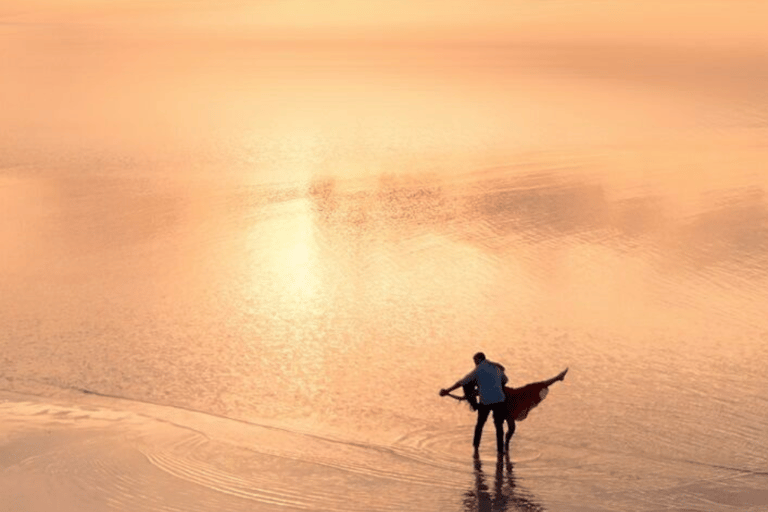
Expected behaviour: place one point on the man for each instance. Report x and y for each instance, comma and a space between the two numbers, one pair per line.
490, 379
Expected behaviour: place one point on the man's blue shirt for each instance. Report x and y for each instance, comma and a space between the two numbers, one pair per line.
490, 380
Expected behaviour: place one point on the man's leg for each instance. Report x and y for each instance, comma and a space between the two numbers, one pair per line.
482, 415
499, 415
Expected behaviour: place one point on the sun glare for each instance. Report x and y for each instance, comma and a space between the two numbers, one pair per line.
293, 263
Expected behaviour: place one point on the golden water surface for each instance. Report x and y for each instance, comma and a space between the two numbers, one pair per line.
317, 228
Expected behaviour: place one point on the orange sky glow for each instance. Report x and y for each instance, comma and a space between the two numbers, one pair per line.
700, 22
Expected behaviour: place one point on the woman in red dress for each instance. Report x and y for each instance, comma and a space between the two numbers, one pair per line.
519, 401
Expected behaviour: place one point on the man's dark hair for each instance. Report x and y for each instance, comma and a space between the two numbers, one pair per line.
479, 357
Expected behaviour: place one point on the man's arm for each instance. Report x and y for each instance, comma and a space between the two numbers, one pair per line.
504, 378
459, 383
444, 392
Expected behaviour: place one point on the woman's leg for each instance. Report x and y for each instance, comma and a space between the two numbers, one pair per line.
547, 383
510, 431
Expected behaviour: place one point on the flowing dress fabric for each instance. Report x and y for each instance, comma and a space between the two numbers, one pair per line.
520, 401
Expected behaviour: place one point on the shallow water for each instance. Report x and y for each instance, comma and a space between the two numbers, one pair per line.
306, 243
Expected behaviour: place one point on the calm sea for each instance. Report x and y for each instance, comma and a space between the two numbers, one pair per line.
317, 237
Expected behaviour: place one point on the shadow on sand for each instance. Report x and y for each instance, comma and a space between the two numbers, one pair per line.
505, 494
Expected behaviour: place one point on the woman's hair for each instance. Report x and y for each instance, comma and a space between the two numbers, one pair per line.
470, 393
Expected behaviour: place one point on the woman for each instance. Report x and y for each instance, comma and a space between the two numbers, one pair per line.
519, 401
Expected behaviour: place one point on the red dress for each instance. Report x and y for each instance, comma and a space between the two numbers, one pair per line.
520, 401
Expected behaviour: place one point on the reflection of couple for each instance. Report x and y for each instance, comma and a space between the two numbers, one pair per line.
480, 499
487, 382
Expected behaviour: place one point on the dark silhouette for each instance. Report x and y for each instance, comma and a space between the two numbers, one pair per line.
518, 401
488, 379
504, 498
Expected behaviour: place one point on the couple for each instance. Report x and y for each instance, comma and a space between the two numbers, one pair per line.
508, 404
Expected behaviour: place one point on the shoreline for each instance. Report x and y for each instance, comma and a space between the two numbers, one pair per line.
88, 454
92, 455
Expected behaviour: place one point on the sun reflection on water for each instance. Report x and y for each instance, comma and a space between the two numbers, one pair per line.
289, 258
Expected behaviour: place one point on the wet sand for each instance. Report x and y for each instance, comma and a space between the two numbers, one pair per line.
103, 454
